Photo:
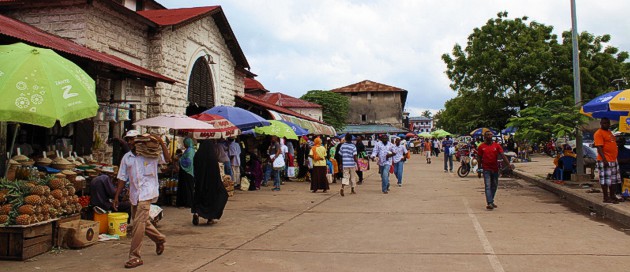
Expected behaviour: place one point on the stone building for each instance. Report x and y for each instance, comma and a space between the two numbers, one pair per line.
374, 103
193, 54
421, 124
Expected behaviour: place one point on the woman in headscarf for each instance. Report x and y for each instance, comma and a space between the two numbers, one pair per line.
210, 195
186, 181
318, 180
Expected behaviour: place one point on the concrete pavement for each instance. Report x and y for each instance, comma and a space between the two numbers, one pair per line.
435, 222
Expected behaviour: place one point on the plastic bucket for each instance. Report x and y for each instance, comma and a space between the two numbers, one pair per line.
102, 218
117, 223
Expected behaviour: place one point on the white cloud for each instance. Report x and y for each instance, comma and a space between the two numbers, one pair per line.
299, 45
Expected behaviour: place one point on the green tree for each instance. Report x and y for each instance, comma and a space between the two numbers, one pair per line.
334, 106
427, 114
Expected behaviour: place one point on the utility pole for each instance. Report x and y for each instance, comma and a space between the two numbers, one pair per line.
577, 90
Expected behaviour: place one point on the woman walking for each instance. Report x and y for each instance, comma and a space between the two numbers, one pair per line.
186, 183
318, 154
210, 195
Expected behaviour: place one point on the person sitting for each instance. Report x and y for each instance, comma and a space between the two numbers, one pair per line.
565, 164
103, 191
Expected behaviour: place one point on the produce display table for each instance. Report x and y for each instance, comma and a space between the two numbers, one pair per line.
24, 242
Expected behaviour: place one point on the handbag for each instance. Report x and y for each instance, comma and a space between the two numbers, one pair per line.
363, 164
291, 171
391, 169
278, 163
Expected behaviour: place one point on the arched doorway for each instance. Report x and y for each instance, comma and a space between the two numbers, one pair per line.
200, 88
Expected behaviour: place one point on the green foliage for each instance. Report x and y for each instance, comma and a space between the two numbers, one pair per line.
509, 65
334, 106
427, 114
553, 119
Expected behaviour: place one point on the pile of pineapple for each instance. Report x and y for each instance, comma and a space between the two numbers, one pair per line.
29, 202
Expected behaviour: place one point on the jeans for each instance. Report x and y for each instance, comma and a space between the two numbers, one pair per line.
491, 182
398, 171
448, 158
267, 174
384, 169
276, 178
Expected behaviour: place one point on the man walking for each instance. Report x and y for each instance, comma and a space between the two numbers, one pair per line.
488, 154
349, 161
234, 153
448, 156
400, 153
607, 164
384, 150
142, 173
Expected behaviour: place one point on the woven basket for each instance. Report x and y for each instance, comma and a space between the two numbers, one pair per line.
62, 166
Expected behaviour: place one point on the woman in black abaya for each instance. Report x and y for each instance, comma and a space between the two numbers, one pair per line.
210, 195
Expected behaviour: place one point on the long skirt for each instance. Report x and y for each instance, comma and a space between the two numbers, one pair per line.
318, 180
185, 189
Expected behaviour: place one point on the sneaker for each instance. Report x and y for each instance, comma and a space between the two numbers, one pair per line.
360, 182
489, 207
385, 192
399, 184
451, 170
494, 205
445, 171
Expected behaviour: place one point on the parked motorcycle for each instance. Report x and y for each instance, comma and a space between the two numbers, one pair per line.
468, 163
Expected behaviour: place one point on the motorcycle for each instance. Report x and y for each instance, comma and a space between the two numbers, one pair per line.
468, 163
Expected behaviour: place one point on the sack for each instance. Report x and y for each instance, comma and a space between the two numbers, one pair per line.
291, 171
625, 188
363, 164
329, 177
244, 184
391, 169
278, 162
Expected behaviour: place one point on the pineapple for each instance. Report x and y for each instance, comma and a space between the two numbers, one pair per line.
50, 199
56, 183
4, 219
46, 190
33, 200
71, 190
23, 219
56, 203
38, 190
64, 191
78, 207
6, 209
26, 209
46, 217
75, 199
3, 197
58, 194
46, 209
40, 217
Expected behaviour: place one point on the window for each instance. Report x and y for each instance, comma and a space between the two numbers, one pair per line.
369, 96
363, 117
200, 87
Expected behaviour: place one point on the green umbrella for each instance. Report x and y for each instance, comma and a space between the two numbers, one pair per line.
39, 87
277, 128
424, 134
440, 133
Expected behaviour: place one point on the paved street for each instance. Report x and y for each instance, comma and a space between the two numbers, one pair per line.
435, 222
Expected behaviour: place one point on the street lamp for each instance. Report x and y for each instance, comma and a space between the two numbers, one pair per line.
576, 88
617, 81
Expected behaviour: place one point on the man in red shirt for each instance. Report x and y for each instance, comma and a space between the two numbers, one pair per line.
607, 164
488, 154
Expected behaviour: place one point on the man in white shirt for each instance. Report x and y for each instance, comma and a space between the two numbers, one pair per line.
234, 150
142, 173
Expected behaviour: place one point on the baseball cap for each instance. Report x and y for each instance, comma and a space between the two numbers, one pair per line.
132, 133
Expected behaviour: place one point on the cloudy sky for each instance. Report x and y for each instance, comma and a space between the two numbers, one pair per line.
299, 45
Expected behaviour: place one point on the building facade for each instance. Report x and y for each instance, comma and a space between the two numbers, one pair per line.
421, 124
374, 103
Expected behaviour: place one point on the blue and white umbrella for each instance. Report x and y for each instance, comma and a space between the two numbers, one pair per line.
299, 131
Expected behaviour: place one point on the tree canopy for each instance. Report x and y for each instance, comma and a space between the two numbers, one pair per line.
509, 65
334, 106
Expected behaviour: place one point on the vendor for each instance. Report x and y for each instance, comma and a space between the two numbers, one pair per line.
567, 157
103, 190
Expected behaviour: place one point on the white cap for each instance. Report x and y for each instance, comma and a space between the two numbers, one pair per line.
132, 133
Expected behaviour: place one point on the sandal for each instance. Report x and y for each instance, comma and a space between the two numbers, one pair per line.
159, 248
133, 263
195, 219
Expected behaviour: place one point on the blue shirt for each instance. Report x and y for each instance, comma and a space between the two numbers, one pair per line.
347, 151
624, 153
381, 150
446, 144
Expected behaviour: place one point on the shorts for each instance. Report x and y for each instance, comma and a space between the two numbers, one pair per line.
427, 154
608, 175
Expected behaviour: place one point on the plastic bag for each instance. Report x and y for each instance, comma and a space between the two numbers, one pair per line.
244, 184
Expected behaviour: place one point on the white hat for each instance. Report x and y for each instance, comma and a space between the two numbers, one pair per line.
132, 133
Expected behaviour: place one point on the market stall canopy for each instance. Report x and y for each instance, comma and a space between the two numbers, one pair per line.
39, 87
425, 135
480, 131
173, 121
277, 128
612, 105
372, 129
299, 131
440, 133
241, 118
313, 127
509, 130
410, 135
223, 128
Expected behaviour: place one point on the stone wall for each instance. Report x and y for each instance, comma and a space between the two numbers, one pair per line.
174, 51
64, 18
381, 108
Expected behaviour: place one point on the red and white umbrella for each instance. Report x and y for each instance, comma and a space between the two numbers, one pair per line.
222, 127
174, 121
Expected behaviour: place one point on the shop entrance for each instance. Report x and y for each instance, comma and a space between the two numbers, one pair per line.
200, 88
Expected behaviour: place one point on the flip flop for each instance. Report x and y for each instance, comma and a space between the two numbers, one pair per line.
133, 263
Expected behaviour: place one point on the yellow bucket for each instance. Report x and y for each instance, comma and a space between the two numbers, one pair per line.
117, 223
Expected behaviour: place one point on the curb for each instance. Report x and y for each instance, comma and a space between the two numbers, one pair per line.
614, 212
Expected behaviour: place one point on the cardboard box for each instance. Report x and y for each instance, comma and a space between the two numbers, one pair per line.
78, 233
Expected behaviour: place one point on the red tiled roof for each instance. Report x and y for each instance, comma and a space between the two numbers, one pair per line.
257, 101
287, 101
30, 34
367, 86
167, 17
252, 84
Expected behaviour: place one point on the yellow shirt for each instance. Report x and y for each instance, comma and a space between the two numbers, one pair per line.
321, 151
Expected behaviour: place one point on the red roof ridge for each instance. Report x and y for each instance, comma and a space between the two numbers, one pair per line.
256, 99
367, 86
167, 17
